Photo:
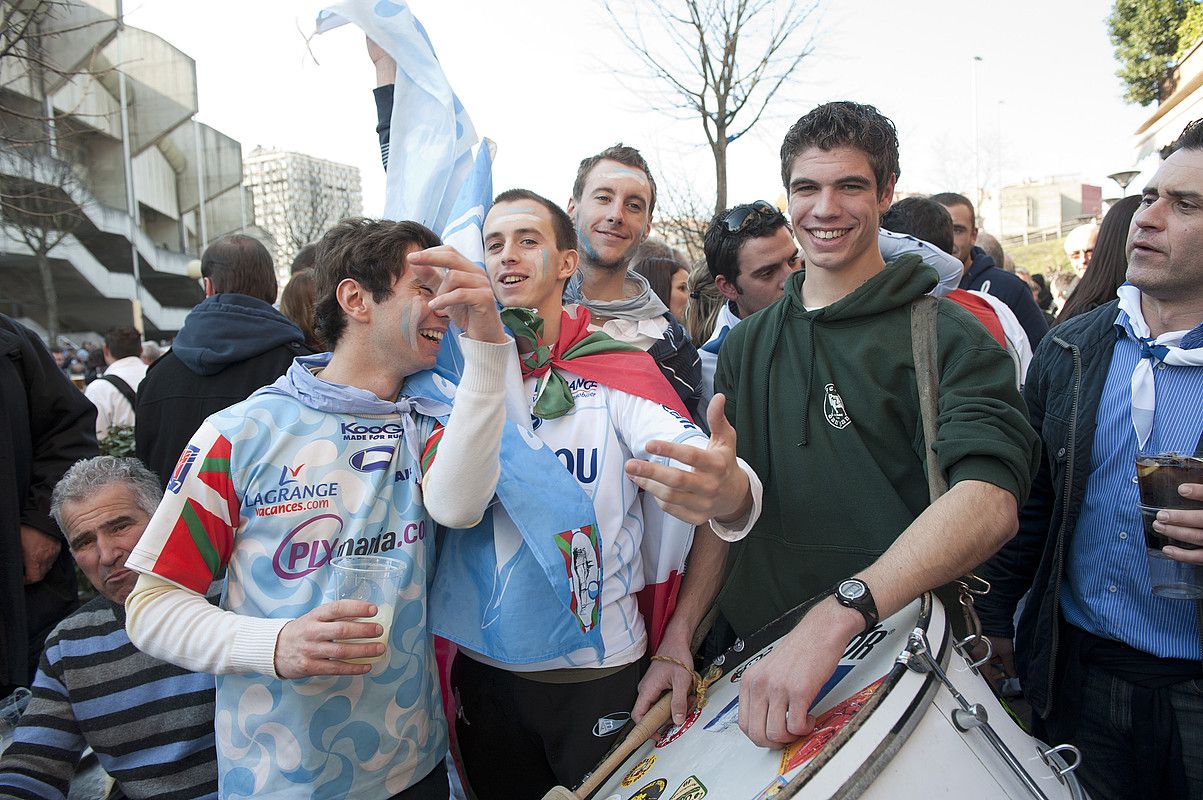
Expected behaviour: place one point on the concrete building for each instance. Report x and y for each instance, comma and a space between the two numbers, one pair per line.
298, 198
1047, 208
100, 151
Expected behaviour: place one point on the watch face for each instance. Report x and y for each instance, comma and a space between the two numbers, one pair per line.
852, 590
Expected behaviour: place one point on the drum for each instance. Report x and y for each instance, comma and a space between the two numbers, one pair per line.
904, 715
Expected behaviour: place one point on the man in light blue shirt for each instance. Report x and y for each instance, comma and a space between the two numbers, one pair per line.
1106, 665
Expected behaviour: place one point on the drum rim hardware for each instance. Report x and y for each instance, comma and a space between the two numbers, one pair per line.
973, 716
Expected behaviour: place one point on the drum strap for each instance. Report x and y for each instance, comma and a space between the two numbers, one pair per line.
927, 379
1199, 603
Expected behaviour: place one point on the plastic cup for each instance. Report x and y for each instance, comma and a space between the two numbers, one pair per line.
1159, 477
373, 579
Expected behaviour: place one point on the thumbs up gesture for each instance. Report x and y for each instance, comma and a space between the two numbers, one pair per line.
711, 487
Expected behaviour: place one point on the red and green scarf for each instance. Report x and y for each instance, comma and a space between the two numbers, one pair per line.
592, 355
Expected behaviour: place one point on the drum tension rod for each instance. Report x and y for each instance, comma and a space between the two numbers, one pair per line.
918, 657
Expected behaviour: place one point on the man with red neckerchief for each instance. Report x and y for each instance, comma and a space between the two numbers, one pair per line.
526, 725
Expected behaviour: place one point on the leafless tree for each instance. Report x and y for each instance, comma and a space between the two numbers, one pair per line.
37, 184
682, 216
36, 208
318, 206
721, 61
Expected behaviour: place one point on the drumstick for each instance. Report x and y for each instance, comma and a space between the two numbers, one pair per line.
655, 718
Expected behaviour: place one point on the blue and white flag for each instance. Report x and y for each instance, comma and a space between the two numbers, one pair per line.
487, 597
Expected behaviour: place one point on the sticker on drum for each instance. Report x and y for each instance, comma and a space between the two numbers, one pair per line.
639, 770
690, 789
772, 790
711, 750
653, 791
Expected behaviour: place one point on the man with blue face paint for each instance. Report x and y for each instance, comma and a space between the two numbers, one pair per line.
536, 707
613, 198
315, 698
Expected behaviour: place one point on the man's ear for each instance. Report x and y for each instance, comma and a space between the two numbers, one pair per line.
208, 284
568, 263
353, 299
571, 207
886, 198
726, 288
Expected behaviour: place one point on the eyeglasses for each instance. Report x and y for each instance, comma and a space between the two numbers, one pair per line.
739, 217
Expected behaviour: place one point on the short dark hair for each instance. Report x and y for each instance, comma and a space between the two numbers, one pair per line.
368, 251
845, 124
954, 199
922, 218
627, 156
123, 341
240, 264
304, 258
721, 246
1191, 138
561, 223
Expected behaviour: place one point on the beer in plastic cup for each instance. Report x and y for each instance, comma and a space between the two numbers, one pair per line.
372, 579
1159, 477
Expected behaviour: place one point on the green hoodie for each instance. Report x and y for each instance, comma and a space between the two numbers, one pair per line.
827, 412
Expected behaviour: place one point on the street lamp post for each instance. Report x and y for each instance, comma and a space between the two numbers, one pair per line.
1123, 178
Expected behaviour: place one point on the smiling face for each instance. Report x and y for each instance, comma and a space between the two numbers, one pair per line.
834, 207
1165, 241
101, 531
612, 215
402, 325
525, 266
964, 232
764, 264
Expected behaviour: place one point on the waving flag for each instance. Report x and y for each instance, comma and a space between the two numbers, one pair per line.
481, 597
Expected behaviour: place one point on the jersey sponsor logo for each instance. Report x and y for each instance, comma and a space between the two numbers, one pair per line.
582, 562
310, 545
575, 463
289, 475
834, 410
292, 493
610, 724
372, 459
182, 466
583, 387
360, 432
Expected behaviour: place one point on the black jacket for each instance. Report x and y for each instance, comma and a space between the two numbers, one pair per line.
1063, 389
46, 425
230, 345
984, 276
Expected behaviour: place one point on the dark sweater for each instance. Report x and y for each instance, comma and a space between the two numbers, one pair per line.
827, 412
150, 723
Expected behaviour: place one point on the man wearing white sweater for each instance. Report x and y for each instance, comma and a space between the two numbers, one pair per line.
334, 458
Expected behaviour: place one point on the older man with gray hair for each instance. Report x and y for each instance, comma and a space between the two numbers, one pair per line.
150, 723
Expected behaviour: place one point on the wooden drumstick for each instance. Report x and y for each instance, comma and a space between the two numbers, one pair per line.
653, 721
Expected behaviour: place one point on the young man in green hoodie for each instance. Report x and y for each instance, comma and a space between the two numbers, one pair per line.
820, 388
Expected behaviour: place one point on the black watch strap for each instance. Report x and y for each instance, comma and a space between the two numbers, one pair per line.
854, 593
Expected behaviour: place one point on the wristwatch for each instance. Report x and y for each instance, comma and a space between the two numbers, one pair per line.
854, 593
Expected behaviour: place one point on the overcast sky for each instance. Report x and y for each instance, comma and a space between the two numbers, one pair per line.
543, 78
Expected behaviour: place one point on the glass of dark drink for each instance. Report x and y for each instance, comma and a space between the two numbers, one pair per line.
1159, 477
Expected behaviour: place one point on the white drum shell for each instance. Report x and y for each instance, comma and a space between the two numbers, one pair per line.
907, 747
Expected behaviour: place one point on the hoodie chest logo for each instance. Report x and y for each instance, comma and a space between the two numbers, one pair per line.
833, 408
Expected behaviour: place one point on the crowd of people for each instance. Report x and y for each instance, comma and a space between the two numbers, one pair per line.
618, 414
